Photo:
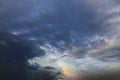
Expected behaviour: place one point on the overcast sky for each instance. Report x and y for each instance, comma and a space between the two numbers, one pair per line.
72, 34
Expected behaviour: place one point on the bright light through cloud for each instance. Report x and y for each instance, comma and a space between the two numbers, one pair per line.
69, 66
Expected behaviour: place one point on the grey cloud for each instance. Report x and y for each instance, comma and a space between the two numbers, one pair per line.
67, 21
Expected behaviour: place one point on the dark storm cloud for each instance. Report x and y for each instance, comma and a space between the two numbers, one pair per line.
50, 21
12, 58
43, 73
66, 15
61, 23
7, 40
14, 54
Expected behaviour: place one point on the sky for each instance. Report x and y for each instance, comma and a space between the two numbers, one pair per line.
76, 38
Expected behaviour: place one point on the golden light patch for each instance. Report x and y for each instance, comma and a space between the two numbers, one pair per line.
68, 70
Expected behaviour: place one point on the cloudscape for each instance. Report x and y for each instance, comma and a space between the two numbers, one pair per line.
59, 39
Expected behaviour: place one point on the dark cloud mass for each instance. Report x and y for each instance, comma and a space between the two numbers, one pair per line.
58, 38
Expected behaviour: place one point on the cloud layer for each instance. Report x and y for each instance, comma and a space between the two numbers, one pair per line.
63, 30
